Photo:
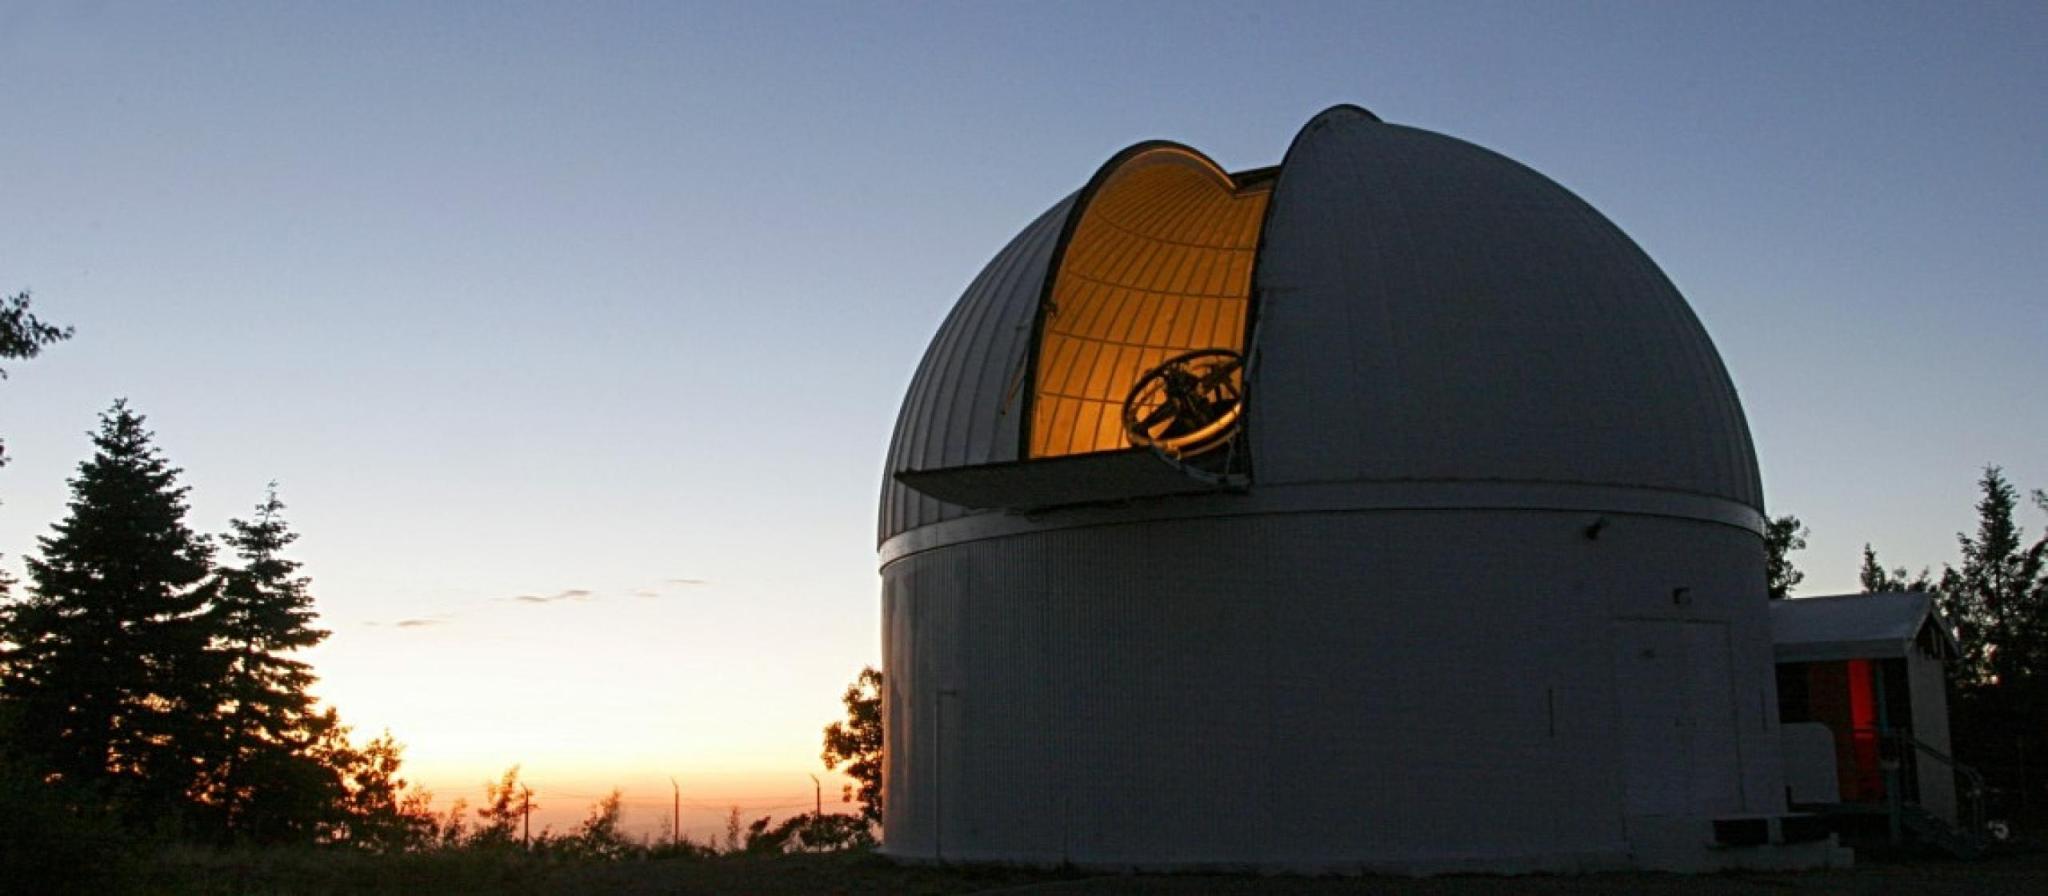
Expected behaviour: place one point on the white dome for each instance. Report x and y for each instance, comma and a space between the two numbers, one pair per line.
1422, 310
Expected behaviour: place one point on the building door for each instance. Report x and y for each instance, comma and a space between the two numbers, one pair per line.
1710, 692
1675, 708
1650, 712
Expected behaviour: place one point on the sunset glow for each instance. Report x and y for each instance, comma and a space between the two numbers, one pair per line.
573, 338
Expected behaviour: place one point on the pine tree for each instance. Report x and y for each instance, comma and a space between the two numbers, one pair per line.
266, 779
1996, 599
1782, 536
106, 662
1876, 578
1872, 575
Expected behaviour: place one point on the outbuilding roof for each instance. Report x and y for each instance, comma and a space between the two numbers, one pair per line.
1858, 626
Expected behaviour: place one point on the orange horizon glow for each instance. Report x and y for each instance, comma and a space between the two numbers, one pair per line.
609, 688
564, 795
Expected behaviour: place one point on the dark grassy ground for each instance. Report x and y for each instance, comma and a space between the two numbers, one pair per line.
329, 872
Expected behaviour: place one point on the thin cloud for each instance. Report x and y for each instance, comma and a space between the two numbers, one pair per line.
670, 585
570, 594
418, 622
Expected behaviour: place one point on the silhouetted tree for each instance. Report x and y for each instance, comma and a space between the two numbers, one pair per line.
830, 833
1997, 599
809, 833
598, 835
1876, 579
503, 810
268, 778
453, 829
1782, 536
857, 743
107, 655
135, 675
378, 810
1872, 575
22, 336
52, 839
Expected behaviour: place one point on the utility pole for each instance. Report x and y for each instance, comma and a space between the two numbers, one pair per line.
818, 798
675, 830
526, 815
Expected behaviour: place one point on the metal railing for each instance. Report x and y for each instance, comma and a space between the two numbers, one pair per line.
1971, 791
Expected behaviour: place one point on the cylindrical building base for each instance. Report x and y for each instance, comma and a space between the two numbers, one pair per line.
1454, 689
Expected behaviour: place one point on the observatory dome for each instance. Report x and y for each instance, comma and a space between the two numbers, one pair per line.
1427, 311
1385, 508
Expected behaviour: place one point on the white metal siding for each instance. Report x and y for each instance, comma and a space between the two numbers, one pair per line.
1299, 691
1927, 686
1431, 310
961, 407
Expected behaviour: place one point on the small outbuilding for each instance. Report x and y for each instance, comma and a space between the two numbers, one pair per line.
1863, 665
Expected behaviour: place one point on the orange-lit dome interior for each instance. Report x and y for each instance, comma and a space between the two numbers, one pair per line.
1160, 263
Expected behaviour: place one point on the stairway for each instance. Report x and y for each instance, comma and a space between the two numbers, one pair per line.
1932, 830
1867, 826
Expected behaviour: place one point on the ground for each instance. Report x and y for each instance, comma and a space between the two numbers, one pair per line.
297, 872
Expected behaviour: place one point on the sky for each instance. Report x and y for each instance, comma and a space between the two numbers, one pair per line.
573, 334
